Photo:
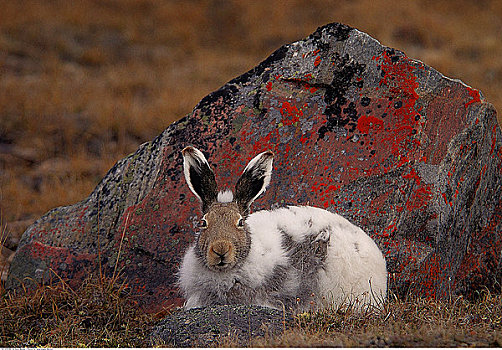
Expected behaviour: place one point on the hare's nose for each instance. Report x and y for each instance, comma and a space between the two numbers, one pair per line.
221, 248
221, 255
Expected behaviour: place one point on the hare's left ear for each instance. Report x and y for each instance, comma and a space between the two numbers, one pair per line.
199, 176
254, 180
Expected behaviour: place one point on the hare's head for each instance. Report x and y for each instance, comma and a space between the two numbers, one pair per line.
224, 239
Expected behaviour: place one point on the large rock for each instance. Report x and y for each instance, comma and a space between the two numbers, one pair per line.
360, 129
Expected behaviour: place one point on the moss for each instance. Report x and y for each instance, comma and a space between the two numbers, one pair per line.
238, 122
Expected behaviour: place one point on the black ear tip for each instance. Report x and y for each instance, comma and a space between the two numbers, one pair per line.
269, 154
188, 150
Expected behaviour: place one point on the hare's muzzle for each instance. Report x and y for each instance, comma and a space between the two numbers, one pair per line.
221, 255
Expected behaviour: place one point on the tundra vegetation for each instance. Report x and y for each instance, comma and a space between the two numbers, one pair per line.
102, 313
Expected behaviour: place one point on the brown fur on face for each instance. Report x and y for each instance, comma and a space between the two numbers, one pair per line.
222, 243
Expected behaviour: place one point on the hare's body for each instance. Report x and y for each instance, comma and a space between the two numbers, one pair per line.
297, 257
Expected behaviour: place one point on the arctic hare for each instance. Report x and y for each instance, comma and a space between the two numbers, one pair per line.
298, 256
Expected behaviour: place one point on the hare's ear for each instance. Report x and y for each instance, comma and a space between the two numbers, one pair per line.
199, 176
254, 180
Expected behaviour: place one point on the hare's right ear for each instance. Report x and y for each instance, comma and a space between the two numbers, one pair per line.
199, 176
254, 180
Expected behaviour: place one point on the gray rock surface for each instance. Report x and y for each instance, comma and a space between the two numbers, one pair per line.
207, 327
360, 129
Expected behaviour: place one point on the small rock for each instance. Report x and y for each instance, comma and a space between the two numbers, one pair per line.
212, 326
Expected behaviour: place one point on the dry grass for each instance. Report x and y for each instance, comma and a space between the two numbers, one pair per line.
4, 254
413, 323
102, 313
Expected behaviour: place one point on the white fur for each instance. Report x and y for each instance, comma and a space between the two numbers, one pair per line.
193, 161
226, 196
354, 269
267, 175
347, 272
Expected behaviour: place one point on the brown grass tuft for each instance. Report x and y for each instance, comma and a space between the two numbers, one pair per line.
415, 322
100, 313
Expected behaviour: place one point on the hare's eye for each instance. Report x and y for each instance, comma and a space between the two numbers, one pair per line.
203, 223
240, 223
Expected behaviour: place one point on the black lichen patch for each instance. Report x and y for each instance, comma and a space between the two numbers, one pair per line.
257, 104
277, 55
338, 116
211, 104
338, 31
365, 101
